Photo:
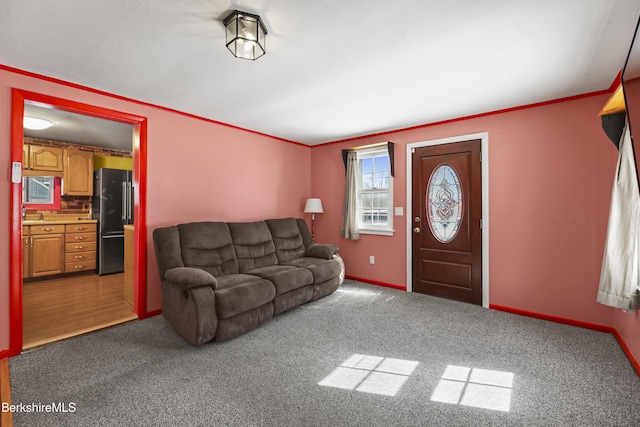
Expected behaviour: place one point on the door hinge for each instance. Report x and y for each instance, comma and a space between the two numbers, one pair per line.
413, 150
481, 157
480, 223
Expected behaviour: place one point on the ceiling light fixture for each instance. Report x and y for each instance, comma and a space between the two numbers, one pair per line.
36, 123
246, 35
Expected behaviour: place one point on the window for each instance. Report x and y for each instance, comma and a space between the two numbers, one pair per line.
41, 192
444, 203
374, 192
368, 197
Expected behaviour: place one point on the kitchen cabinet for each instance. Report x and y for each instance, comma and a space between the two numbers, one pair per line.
128, 262
45, 252
80, 247
77, 173
42, 158
57, 247
26, 244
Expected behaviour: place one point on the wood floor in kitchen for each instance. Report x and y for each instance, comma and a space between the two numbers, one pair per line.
56, 309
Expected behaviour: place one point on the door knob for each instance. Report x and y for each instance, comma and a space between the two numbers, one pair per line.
416, 230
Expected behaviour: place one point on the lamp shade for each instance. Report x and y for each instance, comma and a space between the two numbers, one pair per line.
313, 206
246, 35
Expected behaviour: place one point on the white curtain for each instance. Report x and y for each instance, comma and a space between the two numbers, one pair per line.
349, 216
620, 274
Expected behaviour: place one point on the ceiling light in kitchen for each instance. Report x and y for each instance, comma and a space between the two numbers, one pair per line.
36, 123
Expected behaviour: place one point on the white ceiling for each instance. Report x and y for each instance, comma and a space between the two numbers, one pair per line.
80, 129
334, 69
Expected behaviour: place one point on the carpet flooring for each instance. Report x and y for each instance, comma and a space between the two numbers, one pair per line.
363, 356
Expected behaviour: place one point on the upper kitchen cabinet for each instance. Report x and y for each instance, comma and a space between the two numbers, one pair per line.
42, 158
78, 173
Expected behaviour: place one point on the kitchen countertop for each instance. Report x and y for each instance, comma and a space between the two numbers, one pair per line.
59, 221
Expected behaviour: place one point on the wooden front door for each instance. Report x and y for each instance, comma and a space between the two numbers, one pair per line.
447, 212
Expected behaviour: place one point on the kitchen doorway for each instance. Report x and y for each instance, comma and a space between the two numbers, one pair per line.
139, 124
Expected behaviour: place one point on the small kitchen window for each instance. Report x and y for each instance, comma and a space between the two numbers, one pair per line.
41, 192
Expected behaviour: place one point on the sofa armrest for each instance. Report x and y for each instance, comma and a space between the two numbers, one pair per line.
321, 250
189, 277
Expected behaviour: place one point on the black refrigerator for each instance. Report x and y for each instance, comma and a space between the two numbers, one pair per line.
113, 208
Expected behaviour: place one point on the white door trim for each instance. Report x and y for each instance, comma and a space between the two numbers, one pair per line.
484, 137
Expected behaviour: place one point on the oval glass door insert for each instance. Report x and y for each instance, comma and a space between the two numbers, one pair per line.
444, 203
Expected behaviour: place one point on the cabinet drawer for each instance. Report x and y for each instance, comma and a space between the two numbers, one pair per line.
80, 246
80, 237
80, 228
79, 257
70, 267
47, 229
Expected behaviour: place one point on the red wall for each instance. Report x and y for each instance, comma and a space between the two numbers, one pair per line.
196, 170
550, 176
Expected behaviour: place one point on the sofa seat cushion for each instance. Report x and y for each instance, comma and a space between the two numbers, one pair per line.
284, 277
238, 293
321, 269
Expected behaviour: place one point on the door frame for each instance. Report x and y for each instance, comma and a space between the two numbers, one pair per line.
139, 123
484, 155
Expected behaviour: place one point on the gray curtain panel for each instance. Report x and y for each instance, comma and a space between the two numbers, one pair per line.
349, 218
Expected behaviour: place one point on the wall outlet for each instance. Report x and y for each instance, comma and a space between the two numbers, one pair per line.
372, 259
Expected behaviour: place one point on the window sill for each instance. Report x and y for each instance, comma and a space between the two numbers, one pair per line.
376, 232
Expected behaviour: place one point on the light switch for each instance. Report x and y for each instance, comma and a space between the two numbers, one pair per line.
399, 210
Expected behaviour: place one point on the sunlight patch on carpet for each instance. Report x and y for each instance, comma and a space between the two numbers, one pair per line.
371, 374
358, 292
480, 388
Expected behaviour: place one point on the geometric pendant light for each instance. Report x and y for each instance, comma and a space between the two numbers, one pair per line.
246, 35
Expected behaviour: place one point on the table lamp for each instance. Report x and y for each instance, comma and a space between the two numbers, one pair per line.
313, 206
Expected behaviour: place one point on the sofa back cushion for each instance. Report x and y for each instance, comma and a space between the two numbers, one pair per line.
287, 238
208, 245
254, 245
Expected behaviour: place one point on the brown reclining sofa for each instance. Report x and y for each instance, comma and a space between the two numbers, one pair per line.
221, 280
